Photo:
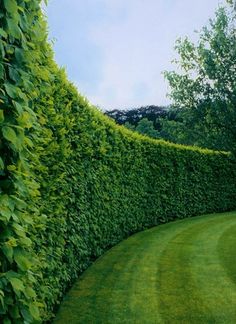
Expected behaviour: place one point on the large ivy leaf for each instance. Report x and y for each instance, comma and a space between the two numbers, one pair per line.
11, 90
13, 74
3, 33
9, 134
8, 252
26, 315
18, 107
13, 28
11, 6
34, 311
21, 259
5, 213
17, 284
29, 292
19, 55
21, 204
12, 274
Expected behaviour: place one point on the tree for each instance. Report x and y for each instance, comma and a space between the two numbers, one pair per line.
205, 90
133, 116
232, 3
146, 127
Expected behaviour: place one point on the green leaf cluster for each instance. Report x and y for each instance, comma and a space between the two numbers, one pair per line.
204, 88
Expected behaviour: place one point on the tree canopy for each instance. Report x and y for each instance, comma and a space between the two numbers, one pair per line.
205, 89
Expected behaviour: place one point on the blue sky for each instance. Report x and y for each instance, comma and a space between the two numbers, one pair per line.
115, 50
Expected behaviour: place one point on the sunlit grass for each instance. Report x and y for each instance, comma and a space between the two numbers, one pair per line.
181, 272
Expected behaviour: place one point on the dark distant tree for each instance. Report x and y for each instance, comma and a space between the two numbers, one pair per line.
133, 116
129, 126
146, 127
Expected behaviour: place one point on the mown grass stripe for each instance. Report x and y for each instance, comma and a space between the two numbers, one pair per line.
227, 252
187, 274
167, 274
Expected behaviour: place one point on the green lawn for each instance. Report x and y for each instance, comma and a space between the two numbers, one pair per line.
181, 272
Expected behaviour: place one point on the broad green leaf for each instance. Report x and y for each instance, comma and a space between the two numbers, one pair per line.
5, 213
12, 274
13, 28
34, 311
11, 90
11, 6
19, 229
19, 55
26, 315
11, 167
3, 33
17, 284
4, 200
19, 202
8, 252
21, 259
24, 241
29, 292
14, 75
18, 107
28, 142
9, 134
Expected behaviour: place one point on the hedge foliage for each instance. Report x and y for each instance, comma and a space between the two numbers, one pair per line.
72, 183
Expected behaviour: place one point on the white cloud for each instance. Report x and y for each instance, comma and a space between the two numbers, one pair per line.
135, 41
139, 47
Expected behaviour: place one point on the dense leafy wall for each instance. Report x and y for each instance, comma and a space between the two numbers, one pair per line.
72, 183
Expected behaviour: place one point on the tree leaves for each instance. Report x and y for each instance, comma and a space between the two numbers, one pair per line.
8, 252
11, 6
18, 183
13, 28
205, 88
9, 134
19, 55
11, 90
34, 311
3, 33
21, 259
17, 284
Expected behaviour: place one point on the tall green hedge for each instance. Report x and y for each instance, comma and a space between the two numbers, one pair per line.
72, 183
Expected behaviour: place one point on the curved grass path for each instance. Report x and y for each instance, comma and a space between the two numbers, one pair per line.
181, 272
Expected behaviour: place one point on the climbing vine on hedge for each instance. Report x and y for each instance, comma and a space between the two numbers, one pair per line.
72, 183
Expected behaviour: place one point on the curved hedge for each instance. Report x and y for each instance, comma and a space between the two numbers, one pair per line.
72, 183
